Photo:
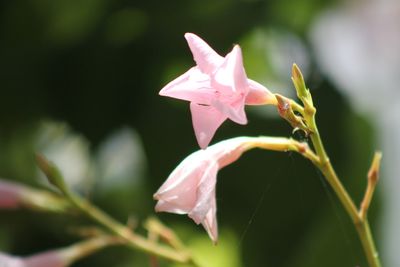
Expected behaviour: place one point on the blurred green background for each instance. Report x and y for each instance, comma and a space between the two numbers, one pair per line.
80, 81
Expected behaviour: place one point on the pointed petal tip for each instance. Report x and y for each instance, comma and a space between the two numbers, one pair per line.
205, 121
213, 235
160, 207
168, 93
242, 120
189, 35
202, 138
164, 90
237, 50
192, 38
203, 142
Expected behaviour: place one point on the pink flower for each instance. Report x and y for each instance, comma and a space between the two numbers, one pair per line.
190, 188
217, 89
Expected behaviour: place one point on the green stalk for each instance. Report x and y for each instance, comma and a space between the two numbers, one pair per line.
325, 166
367, 240
132, 239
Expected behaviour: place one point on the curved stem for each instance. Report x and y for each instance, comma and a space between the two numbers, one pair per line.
82, 249
283, 144
322, 162
325, 166
129, 236
132, 239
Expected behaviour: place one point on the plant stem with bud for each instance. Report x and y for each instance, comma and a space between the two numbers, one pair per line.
323, 163
125, 233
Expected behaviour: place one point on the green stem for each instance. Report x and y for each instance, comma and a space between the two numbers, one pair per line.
367, 240
327, 169
325, 166
85, 248
282, 144
132, 239
126, 234
296, 107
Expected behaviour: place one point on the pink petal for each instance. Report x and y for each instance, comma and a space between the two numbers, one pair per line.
190, 86
10, 261
206, 120
258, 94
178, 193
229, 150
189, 166
231, 76
234, 111
180, 197
171, 207
205, 193
231, 81
206, 58
239, 74
210, 222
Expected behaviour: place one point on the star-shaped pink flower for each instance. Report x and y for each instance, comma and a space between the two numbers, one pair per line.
217, 88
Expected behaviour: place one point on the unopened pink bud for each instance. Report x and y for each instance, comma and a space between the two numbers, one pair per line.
14, 195
10, 195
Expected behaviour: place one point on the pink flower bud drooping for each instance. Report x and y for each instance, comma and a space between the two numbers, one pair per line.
190, 188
